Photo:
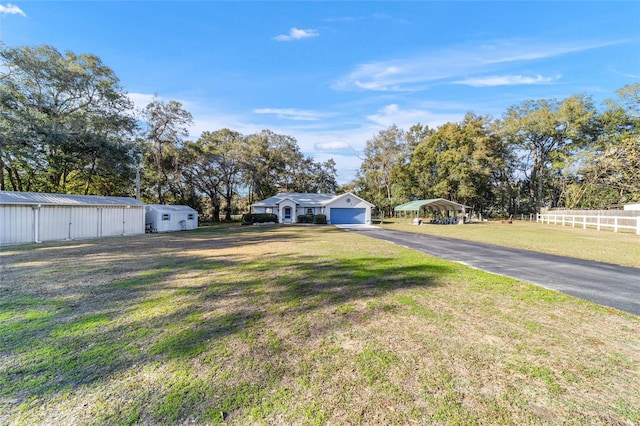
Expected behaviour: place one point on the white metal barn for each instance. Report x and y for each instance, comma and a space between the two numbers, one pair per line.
165, 218
30, 217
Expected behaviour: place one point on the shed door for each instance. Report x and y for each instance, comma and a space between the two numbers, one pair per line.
348, 216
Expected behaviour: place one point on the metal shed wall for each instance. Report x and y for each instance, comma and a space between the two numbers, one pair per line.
16, 224
29, 217
180, 218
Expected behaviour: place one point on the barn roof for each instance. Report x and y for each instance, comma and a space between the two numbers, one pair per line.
434, 204
34, 198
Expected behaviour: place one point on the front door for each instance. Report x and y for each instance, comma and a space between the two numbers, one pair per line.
287, 214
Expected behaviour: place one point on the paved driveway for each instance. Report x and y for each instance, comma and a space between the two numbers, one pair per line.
603, 283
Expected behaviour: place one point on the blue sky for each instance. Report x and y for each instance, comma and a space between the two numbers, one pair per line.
333, 74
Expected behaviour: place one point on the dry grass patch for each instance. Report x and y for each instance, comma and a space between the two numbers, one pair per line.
589, 244
298, 325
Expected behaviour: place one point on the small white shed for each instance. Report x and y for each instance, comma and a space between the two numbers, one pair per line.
165, 218
632, 207
31, 217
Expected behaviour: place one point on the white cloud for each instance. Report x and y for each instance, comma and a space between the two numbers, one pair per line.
419, 71
292, 113
11, 9
404, 119
141, 100
297, 34
506, 80
332, 146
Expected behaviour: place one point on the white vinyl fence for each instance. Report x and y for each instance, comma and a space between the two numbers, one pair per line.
599, 222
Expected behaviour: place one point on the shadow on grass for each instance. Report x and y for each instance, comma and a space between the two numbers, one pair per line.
168, 297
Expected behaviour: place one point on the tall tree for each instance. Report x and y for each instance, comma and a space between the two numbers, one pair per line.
409, 181
63, 119
273, 163
215, 167
166, 126
548, 132
382, 155
609, 172
324, 177
457, 162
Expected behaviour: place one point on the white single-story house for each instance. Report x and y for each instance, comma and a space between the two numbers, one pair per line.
165, 218
339, 209
31, 217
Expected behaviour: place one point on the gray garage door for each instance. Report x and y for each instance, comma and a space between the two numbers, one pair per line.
348, 216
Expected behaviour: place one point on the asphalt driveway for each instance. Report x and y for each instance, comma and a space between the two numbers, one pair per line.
602, 283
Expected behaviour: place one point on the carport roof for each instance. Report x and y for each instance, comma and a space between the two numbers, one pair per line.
434, 203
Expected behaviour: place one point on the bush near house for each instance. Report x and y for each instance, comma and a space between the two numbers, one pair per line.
305, 218
320, 219
317, 219
251, 218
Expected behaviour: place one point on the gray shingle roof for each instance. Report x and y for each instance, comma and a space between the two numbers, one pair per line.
307, 200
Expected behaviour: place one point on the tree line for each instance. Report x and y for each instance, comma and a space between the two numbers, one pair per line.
67, 126
541, 153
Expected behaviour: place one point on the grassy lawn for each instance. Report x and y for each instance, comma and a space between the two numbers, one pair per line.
590, 244
298, 325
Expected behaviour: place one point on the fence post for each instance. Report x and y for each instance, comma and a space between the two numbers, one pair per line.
598, 222
584, 225
615, 224
638, 225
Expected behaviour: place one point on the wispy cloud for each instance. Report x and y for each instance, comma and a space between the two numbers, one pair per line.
293, 113
297, 34
419, 71
11, 9
506, 80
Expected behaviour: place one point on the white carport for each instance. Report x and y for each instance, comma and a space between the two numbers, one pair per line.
444, 211
166, 218
30, 217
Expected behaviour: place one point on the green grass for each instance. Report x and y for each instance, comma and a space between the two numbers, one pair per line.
589, 244
290, 325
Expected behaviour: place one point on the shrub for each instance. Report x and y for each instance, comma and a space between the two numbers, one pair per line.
251, 218
320, 219
305, 218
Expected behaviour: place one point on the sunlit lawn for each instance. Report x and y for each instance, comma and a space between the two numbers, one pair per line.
605, 246
297, 325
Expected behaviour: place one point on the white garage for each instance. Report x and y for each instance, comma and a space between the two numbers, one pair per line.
30, 217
